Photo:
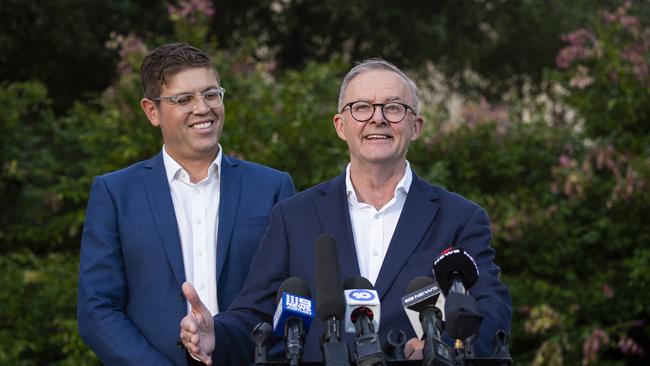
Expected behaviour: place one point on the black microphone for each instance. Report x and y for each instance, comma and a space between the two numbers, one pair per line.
362, 317
293, 316
421, 296
330, 302
456, 272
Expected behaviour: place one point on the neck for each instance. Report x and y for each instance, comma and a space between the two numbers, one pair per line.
375, 185
197, 167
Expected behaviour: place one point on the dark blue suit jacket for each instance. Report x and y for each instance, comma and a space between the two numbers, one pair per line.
432, 220
130, 302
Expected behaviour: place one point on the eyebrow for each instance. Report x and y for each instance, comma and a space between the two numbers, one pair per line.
202, 91
389, 99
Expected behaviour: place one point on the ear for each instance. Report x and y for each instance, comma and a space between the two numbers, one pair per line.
151, 111
338, 126
418, 122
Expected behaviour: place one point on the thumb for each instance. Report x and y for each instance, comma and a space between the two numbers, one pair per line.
193, 298
412, 347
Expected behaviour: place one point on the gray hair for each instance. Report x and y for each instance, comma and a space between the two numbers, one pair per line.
378, 64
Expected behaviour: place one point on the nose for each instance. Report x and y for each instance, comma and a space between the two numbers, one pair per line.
201, 106
378, 115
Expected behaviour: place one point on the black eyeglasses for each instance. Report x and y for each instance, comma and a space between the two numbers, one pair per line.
393, 112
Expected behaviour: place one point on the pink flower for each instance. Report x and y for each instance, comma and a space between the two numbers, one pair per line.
188, 9
592, 345
629, 346
608, 292
583, 45
565, 161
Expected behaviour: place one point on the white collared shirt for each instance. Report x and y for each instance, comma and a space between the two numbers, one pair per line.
196, 206
373, 229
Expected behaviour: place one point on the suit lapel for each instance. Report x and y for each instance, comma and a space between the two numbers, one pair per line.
228, 206
162, 209
417, 215
334, 215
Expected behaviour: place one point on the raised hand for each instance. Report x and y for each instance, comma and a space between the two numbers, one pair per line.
197, 327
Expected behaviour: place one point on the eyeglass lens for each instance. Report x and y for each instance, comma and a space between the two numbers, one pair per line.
392, 112
189, 102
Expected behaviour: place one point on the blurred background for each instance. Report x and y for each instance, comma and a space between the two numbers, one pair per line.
537, 110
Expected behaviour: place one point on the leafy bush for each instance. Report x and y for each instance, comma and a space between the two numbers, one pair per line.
565, 184
37, 316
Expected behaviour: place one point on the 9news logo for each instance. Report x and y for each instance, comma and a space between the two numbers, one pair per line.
361, 295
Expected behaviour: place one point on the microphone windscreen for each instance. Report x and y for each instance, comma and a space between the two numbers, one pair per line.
294, 286
418, 283
422, 293
330, 300
293, 301
357, 282
455, 260
462, 316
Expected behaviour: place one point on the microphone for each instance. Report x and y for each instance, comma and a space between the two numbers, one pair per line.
293, 316
362, 317
330, 301
421, 296
456, 272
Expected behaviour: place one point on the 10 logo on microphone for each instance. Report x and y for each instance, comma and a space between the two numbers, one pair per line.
361, 295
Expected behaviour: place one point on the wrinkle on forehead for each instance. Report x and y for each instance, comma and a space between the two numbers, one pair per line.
378, 86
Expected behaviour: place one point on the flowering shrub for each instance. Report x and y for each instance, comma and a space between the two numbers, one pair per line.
565, 184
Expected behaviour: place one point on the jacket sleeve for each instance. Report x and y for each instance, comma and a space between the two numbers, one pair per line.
102, 289
492, 295
256, 302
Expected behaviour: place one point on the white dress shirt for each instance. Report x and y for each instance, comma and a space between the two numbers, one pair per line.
196, 206
373, 229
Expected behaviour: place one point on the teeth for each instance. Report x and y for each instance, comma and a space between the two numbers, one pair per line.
377, 137
202, 125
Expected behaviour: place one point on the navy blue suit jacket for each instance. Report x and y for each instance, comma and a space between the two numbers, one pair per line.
432, 220
130, 302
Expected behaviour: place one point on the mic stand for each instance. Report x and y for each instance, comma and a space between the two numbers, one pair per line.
395, 344
294, 340
435, 351
501, 355
335, 352
260, 336
367, 351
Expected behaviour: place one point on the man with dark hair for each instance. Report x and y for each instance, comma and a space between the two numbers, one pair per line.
190, 214
389, 225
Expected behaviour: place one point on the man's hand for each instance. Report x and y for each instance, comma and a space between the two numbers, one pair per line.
197, 327
413, 349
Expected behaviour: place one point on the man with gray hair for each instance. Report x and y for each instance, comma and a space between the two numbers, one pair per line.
389, 225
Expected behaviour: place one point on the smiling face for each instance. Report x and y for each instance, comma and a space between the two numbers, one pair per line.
377, 141
188, 136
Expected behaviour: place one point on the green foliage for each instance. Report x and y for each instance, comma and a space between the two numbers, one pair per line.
290, 126
61, 42
36, 149
37, 316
